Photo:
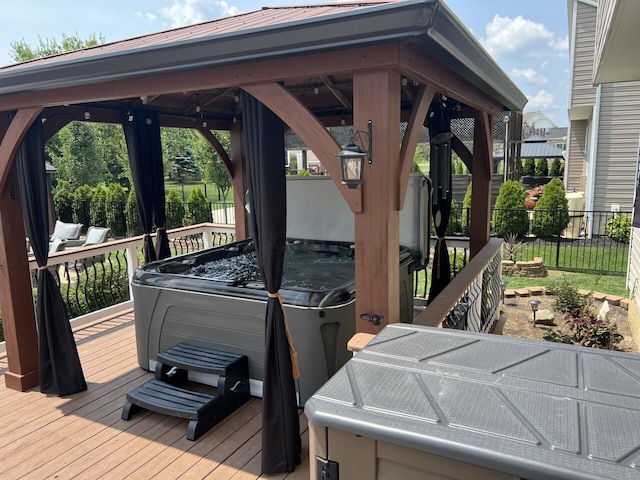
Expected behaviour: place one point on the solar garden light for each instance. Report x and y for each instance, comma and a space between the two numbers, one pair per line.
535, 303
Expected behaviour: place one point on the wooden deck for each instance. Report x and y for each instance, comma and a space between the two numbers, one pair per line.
82, 436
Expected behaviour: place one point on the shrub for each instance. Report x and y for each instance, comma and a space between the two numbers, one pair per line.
619, 228
132, 216
556, 168
529, 167
115, 202
551, 213
98, 206
454, 219
465, 220
197, 208
510, 216
81, 205
63, 201
542, 167
175, 210
303, 172
567, 299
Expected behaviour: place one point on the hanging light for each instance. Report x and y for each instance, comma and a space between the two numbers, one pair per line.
352, 160
87, 114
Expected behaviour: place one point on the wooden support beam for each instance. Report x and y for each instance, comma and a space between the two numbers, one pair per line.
410, 141
300, 119
12, 138
16, 297
463, 152
217, 146
53, 124
344, 101
376, 97
239, 181
481, 191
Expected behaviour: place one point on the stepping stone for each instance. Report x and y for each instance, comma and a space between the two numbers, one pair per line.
624, 303
599, 296
523, 292
614, 299
536, 291
510, 293
584, 293
544, 317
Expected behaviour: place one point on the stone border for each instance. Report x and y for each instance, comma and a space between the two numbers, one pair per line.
538, 291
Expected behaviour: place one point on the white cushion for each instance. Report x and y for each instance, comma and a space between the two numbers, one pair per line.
66, 231
96, 235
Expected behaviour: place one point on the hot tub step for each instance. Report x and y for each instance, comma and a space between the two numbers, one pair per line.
202, 410
163, 395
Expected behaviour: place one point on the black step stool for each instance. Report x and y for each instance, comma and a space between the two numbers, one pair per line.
164, 394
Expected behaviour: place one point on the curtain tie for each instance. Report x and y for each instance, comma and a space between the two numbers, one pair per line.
146, 235
43, 267
159, 228
438, 247
292, 350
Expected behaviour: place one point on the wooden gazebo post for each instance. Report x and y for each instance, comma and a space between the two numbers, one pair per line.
376, 98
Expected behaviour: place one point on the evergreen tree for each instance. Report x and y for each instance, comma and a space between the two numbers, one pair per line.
115, 210
197, 208
551, 213
555, 168
509, 215
542, 167
465, 221
98, 206
81, 205
63, 201
175, 210
529, 167
134, 226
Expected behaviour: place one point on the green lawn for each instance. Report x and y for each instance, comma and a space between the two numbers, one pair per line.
609, 284
185, 190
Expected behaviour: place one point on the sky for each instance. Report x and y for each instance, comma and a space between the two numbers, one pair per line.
528, 39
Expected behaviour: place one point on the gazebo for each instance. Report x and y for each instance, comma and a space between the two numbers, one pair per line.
371, 64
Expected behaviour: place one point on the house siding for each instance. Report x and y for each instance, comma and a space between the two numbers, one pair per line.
617, 152
582, 90
633, 278
604, 17
577, 147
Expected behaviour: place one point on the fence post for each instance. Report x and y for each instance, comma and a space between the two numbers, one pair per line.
558, 241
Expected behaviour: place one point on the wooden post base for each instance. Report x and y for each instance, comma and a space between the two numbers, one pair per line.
21, 382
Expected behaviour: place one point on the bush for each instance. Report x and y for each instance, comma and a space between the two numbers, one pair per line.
63, 201
551, 213
567, 299
465, 220
529, 167
132, 216
115, 202
98, 206
509, 215
303, 172
619, 228
197, 208
542, 167
556, 168
175, 210
454, 221
81, 205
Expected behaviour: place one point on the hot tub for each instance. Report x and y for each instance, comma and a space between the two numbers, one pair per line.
215, 298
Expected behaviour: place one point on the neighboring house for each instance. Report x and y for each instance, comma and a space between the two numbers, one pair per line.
536, 123
558, 137
604, 119
616, 60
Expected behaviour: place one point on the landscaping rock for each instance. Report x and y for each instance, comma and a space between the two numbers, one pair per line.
544, 317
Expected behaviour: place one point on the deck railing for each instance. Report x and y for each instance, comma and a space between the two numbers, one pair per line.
96, 280
472, 300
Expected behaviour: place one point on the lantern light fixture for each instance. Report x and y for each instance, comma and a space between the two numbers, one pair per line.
352, 158
535, 304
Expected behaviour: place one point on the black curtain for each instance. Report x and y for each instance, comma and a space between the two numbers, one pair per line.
440, 146
263, 144
59, 365
142, 134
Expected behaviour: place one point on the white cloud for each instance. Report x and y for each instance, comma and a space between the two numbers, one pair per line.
528, 75
519, 36
148, 17
187, 12
542, 100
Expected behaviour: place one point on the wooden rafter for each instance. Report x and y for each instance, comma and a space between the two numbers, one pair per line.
336, 93
12, 138
463, 152
217, 146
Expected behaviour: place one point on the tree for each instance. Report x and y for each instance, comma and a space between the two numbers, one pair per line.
175, 210
551, 213
175, 142
465, 221
185, 168
542, 167
63, 201
98, 206
214, 170
80, 162
81, 205
132, 216
197, 208
555, 168
21, 51
113, 151
529, 167
509, 216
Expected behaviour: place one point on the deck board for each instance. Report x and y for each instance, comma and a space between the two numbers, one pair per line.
82, 435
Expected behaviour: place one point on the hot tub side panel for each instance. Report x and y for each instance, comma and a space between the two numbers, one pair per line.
165, 317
